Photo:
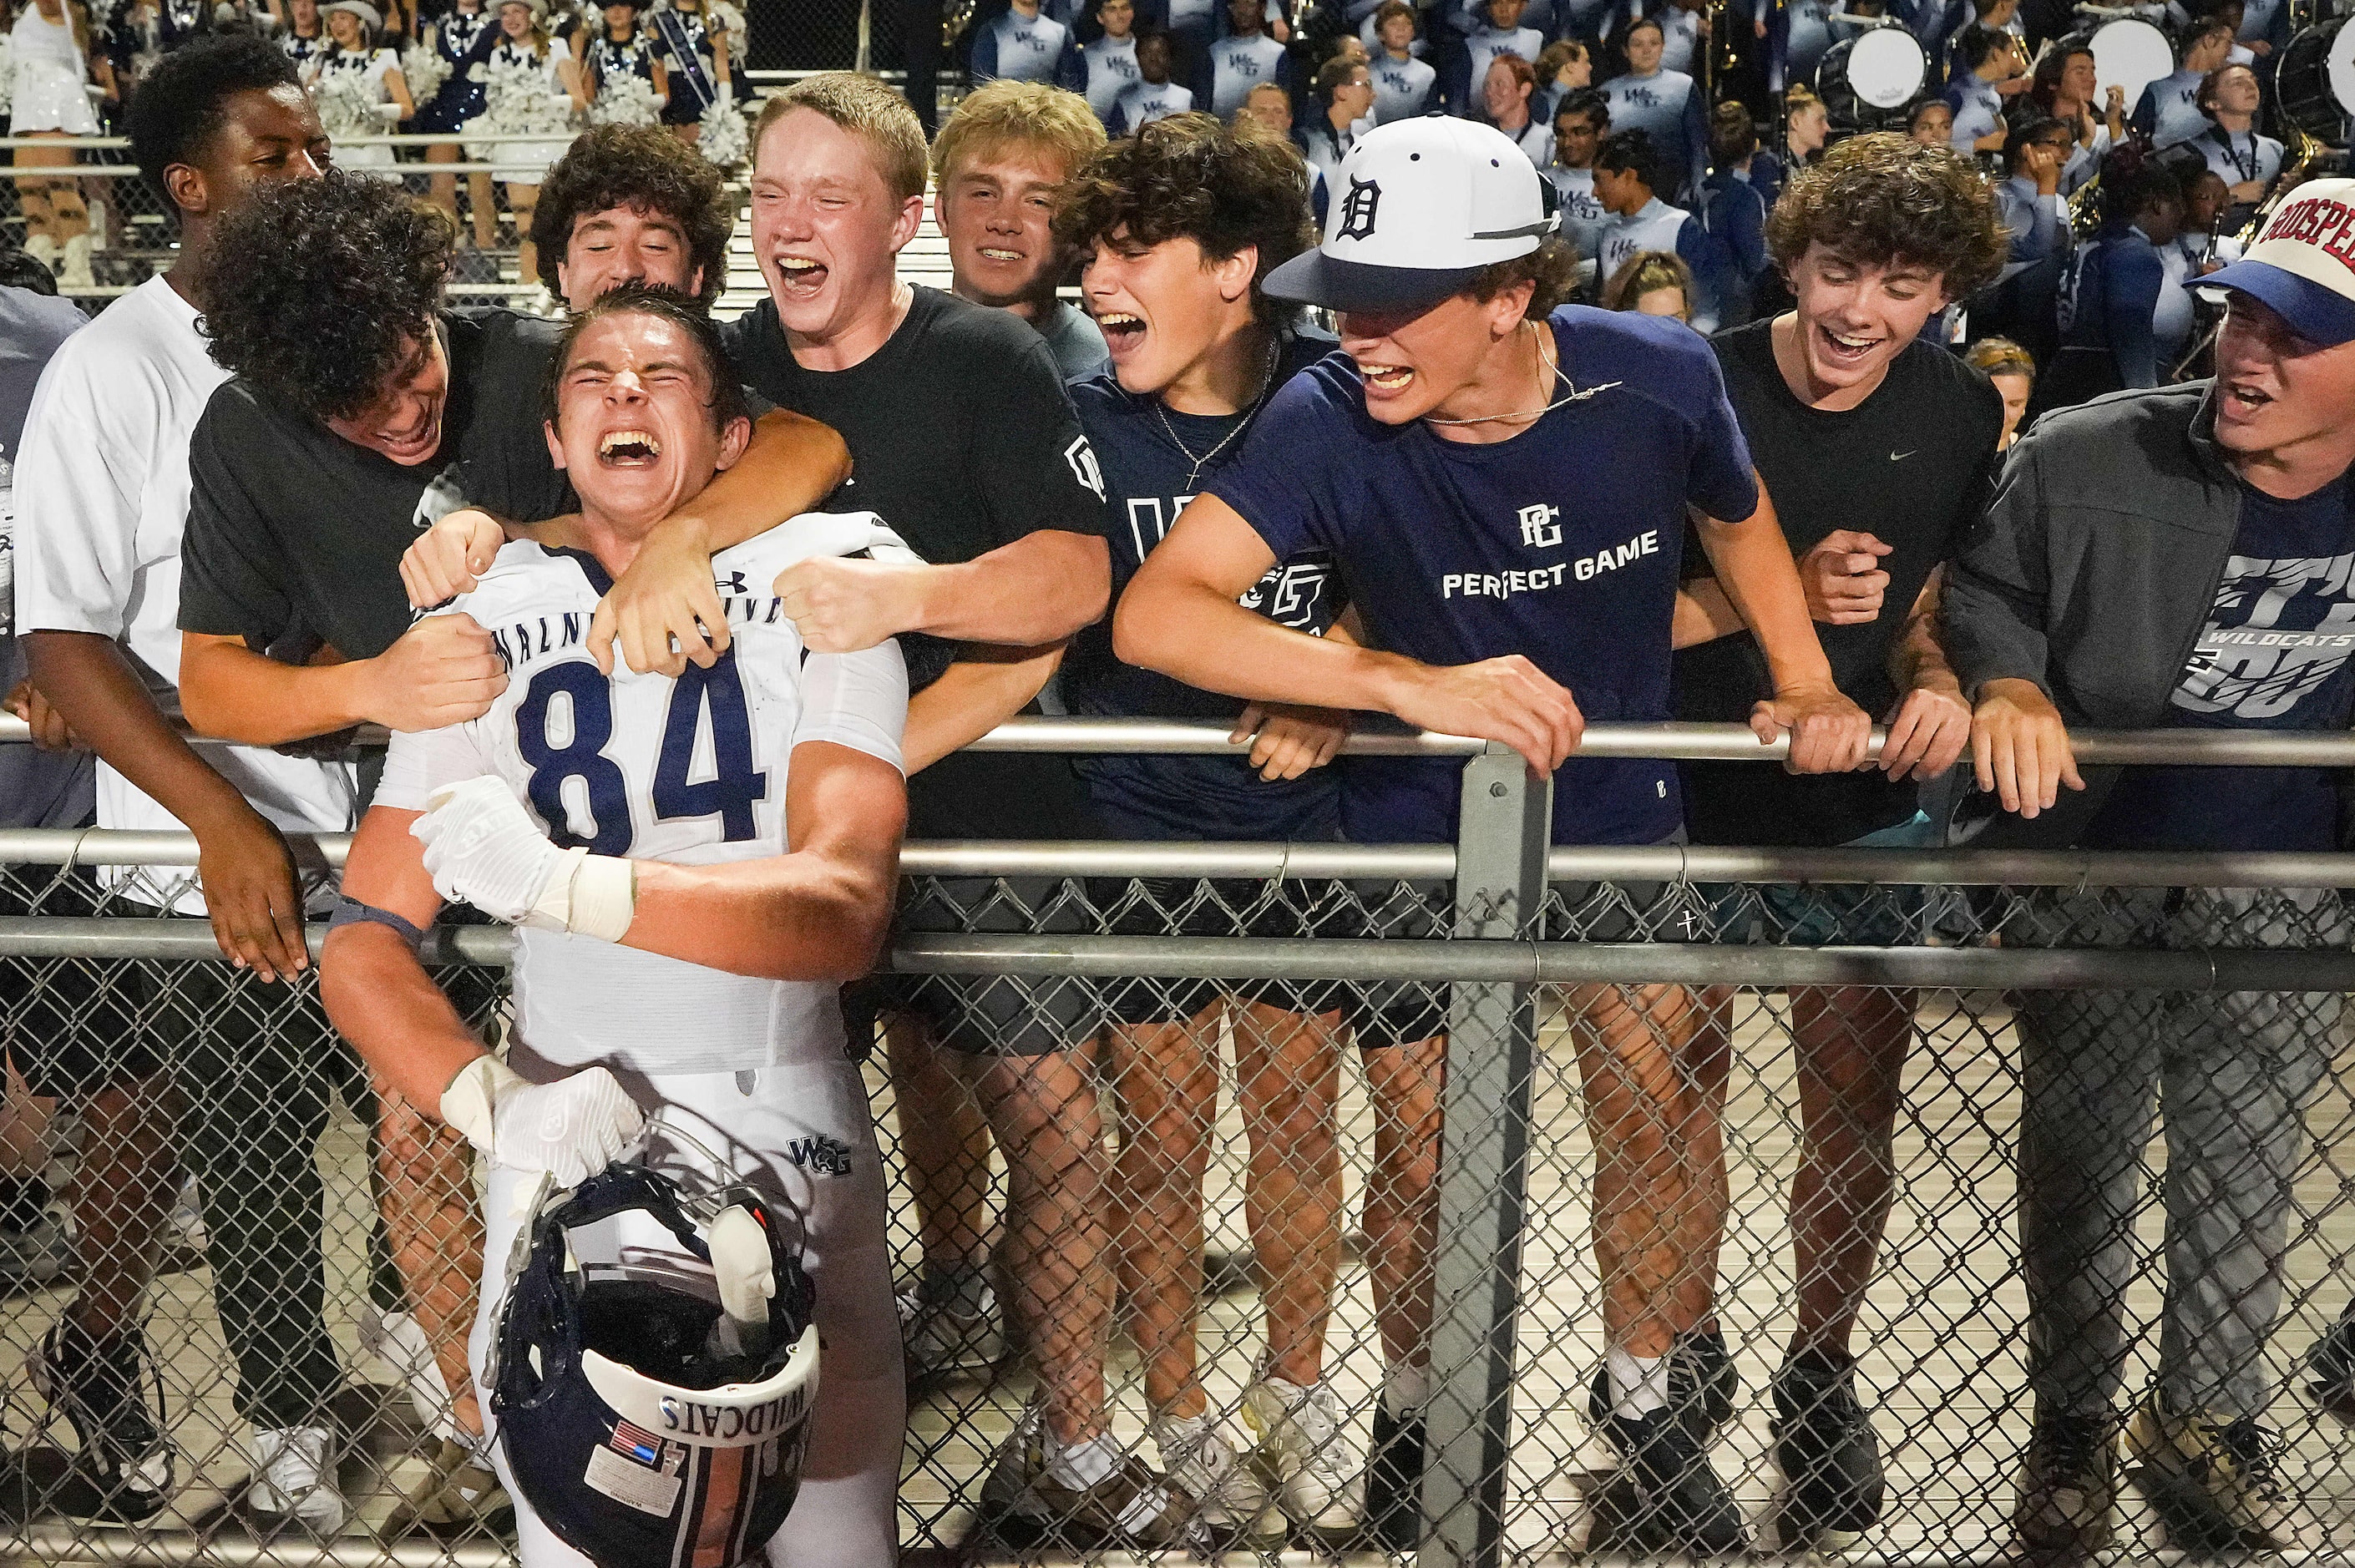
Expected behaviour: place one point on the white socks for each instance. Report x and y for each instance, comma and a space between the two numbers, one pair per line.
1081, 1464
1639, 1384
1406, 1389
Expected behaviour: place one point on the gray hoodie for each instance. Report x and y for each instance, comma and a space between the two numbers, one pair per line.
2093, 571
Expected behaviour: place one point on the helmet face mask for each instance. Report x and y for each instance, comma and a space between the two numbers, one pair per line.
644, 1424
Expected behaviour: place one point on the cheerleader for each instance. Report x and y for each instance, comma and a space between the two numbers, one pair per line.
627, 82
451, 54
535, 98
358, 85
695, 42
50, 72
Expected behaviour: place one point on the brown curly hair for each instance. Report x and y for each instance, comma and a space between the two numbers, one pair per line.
1190, 178
338, 280
1882, 198
647, 170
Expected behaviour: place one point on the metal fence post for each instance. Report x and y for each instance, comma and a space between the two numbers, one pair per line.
1500, 879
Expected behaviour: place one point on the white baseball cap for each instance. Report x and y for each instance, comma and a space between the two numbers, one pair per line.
2303, 265
1419, 208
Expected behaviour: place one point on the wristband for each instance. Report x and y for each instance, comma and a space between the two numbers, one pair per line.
603, 897
587, 895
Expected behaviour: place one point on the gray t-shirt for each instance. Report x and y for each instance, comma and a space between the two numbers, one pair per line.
38, 789
1075, 341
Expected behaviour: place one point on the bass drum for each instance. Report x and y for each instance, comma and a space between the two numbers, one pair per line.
2314, 81
2132, 54
1866, 82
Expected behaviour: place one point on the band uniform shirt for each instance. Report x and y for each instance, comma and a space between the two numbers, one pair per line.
690, 770
1560, 543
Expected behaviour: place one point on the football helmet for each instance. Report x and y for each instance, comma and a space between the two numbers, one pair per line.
647, 1424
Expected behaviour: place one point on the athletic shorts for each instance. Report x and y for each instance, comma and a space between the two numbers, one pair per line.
1223, 907
1398, 1012
980, 1014
71, 1025
1829, 914
805, 1136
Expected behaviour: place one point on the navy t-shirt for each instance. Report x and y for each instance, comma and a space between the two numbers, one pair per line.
1561, 545
1147, 484
2272, 655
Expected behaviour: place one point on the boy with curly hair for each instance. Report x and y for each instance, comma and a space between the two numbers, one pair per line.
1877, 447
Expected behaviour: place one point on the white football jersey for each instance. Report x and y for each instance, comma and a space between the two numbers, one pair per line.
690, 771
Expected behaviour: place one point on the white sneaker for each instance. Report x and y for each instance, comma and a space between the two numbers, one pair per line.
399, 1340
1317, 1474
1199, 1460
942, 1342
73, 269
294, 1479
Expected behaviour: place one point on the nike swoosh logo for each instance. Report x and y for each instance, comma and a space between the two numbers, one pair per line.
1900, 457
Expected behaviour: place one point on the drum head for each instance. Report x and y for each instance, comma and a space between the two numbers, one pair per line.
1887, 67
2342, 65
2314, 81
2131, 54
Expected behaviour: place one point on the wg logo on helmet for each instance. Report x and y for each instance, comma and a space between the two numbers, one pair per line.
1358, 209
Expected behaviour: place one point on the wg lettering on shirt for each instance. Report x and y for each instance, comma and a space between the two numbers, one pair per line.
1584, 568
1290, 594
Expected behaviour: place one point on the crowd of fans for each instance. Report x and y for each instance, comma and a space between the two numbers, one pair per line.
505, 84
2110, 204
1178, 499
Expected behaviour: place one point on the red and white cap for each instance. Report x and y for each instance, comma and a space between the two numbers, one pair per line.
2302, 266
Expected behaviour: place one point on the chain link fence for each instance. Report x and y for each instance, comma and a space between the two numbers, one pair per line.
1683, 1093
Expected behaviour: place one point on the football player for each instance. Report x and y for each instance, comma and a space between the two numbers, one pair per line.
694, 863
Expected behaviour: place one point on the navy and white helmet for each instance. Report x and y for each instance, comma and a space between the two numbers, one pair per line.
647, 1424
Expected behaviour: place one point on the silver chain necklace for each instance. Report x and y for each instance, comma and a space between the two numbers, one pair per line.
1550, 373
1267, 384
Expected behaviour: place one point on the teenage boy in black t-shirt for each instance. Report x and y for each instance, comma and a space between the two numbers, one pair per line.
1876, 446
362, 411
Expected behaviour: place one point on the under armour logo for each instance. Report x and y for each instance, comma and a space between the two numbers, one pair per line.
1539, 528
734, 583
1358, 209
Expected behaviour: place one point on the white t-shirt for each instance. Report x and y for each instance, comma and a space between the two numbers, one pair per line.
690, 770
102, 498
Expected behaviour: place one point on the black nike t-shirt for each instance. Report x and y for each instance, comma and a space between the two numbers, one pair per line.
961, 438
1909, 465
296, 535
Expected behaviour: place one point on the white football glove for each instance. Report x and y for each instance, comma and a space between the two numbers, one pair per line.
571, 1129
483, 848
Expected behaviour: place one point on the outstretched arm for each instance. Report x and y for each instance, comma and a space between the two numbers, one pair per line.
793, 464
1180, 616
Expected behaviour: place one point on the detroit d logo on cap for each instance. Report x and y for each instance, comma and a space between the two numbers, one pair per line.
1358, 209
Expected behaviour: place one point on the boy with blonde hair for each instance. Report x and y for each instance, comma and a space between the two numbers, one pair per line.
999, 161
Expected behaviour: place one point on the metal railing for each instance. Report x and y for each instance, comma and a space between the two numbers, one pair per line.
1517, 948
